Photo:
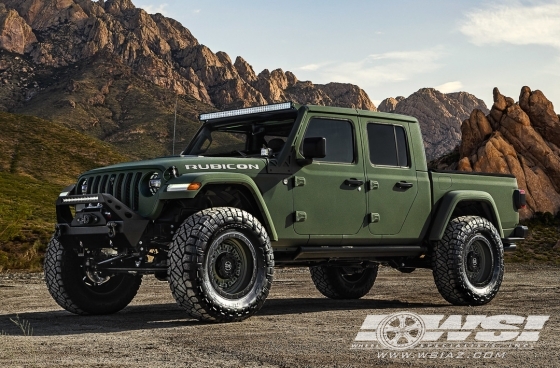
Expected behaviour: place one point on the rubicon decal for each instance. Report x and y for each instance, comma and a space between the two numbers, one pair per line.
222, 167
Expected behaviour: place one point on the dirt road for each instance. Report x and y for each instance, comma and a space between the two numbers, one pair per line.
297, 326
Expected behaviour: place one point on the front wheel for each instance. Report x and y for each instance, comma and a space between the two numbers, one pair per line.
468, 263
338, 282
82, 291
221, 265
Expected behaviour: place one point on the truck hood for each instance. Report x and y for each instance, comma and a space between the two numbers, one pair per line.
188, 164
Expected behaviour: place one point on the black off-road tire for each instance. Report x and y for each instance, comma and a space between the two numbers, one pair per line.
468, 262
341, 283
69, 286
221, 265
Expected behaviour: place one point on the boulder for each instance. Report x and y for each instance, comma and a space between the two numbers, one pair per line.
517, 139
389, 104
15, 34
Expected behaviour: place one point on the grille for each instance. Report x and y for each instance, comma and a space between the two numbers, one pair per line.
123, 186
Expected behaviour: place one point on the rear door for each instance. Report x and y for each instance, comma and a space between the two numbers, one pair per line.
391, 175
329, 195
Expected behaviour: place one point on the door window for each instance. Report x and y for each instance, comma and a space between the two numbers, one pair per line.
340, 139
387, 145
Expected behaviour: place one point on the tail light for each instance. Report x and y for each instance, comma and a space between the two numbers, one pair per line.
519, 199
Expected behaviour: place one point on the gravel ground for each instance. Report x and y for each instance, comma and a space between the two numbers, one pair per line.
297, 326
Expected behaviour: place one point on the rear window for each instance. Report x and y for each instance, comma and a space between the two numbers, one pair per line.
387, 145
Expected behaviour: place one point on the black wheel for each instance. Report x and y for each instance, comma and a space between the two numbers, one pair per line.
337, 282
221, 265
81, 291
468, 263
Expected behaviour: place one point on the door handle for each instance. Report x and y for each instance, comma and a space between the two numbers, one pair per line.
354, 182
404, 185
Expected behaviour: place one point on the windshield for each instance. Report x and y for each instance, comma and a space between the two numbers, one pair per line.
241, 139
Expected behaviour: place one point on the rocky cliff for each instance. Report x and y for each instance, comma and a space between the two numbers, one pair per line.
103, 98
440, 116
520, 138
61, 33
389, 104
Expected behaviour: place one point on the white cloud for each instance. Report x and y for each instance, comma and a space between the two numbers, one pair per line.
153, 9
386, 67
515, 23
310, 67
449, 87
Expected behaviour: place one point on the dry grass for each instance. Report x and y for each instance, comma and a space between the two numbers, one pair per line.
39, 158
544, 234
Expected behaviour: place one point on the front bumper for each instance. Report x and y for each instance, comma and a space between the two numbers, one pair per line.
98, 219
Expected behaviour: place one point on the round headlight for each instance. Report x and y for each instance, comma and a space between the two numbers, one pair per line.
154, 183
84, 186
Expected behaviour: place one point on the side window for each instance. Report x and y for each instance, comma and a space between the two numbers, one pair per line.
402, 146
387, 145
339, 135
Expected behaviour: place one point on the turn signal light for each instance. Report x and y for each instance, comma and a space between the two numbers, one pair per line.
194, 186
183, 187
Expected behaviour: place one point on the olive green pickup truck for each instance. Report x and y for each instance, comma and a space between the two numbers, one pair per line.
337, 190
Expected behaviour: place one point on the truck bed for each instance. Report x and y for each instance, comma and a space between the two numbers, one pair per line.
501, 188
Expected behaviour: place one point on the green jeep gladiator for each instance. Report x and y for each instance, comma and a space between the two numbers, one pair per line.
337, 190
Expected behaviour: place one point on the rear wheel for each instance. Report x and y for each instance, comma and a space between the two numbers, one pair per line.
468, 263
82, 291
337, 282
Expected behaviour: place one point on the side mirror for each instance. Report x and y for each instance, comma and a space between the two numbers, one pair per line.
314, 147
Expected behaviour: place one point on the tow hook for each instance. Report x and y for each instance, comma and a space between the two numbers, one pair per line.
112, 229
57, 231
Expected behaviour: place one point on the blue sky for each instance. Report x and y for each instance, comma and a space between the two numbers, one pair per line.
389, 48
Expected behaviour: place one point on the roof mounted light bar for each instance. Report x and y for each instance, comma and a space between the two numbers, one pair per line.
247, 111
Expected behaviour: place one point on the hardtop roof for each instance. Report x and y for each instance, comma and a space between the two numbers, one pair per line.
365, 113
296, 108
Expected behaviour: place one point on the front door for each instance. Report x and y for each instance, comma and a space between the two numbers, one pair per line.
329, 195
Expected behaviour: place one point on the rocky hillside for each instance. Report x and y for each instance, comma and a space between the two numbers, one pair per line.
520, 138
61, 33
103, 98
440, 116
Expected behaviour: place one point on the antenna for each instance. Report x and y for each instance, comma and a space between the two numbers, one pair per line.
175, 122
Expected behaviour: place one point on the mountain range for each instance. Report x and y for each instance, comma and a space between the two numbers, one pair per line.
59, 33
